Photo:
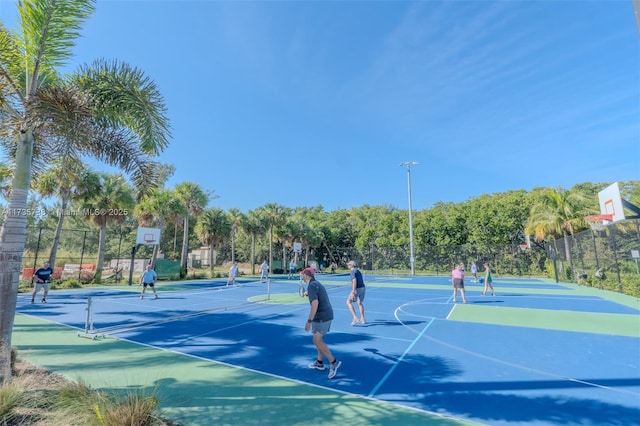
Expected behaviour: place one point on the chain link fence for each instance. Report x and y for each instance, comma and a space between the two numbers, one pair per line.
614, 250
77, 252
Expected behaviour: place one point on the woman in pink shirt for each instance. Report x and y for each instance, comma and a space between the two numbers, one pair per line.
457, 278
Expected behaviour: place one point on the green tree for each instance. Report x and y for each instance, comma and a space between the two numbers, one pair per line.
111, 202
193, 199
254, 225
157, 209
236, 218
212, 228
275, 215
68, 180
107, 110
557, 213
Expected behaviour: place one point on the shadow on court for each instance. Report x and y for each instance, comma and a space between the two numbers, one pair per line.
491, 361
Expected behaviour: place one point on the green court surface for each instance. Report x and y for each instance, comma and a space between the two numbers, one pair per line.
196, 392
586, 322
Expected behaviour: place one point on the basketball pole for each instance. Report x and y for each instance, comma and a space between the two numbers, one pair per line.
412, 259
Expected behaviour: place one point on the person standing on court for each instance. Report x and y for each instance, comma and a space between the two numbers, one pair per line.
457, 278
488, 280
41, 279
474, 271
292, 268
358, 291
264, 271
233, 273
319, 322
148, 278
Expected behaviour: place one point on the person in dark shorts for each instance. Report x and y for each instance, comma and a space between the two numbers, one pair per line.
319, 322
457, 278
148, 278
358, 291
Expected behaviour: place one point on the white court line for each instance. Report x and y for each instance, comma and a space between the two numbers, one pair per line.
399, 360
504, 362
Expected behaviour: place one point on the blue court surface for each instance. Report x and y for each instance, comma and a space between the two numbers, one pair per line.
536, 353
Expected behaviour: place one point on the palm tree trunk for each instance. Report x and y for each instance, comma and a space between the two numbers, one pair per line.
233, 245
271, 248
56, 237
156, 248
185, 245
212, 257
12, 238
567, 248
253, 254
284, 256
101, 246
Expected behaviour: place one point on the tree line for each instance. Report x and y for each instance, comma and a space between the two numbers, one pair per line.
486, 223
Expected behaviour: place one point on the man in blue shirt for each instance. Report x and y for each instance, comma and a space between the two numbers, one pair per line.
357, 293
41, 279
319, 322
148, 278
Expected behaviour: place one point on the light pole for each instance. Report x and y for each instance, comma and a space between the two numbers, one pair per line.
412, 259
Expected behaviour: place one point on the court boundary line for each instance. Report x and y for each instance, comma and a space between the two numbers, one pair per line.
399, 360
510, 364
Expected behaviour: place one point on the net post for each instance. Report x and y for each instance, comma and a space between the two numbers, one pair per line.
89, 330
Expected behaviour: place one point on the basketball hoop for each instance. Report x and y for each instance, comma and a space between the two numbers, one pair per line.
596, 221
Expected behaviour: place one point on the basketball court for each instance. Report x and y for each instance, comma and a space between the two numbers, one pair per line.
537, 353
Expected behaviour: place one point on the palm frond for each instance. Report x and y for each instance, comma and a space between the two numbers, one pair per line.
116, 148
11, 73
49, 30
125, 97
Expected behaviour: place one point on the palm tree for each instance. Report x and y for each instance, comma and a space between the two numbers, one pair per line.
193, 200
275, 216
111, 202
212, 228
557, 213
109, 111
157, 209
69, 180
236, 217
254, 225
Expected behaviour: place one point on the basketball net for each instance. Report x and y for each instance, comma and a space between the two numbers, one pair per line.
596, 221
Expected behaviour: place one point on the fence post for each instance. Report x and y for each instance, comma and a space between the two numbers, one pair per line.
615, 257
84, 240
595, 248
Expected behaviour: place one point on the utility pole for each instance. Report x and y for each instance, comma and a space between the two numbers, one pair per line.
412, 259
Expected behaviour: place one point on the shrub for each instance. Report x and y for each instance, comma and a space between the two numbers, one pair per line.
96, 407
10, 399
69, 283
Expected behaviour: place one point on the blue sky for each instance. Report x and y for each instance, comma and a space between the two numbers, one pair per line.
308, 103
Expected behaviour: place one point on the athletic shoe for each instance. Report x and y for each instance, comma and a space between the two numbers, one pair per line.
362, 321
44, 300
333, 369
355, 321
32, 301
141, 297
317, 365
156, 296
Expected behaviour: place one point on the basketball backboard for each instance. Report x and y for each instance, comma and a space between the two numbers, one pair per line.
611, 202
148, 236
